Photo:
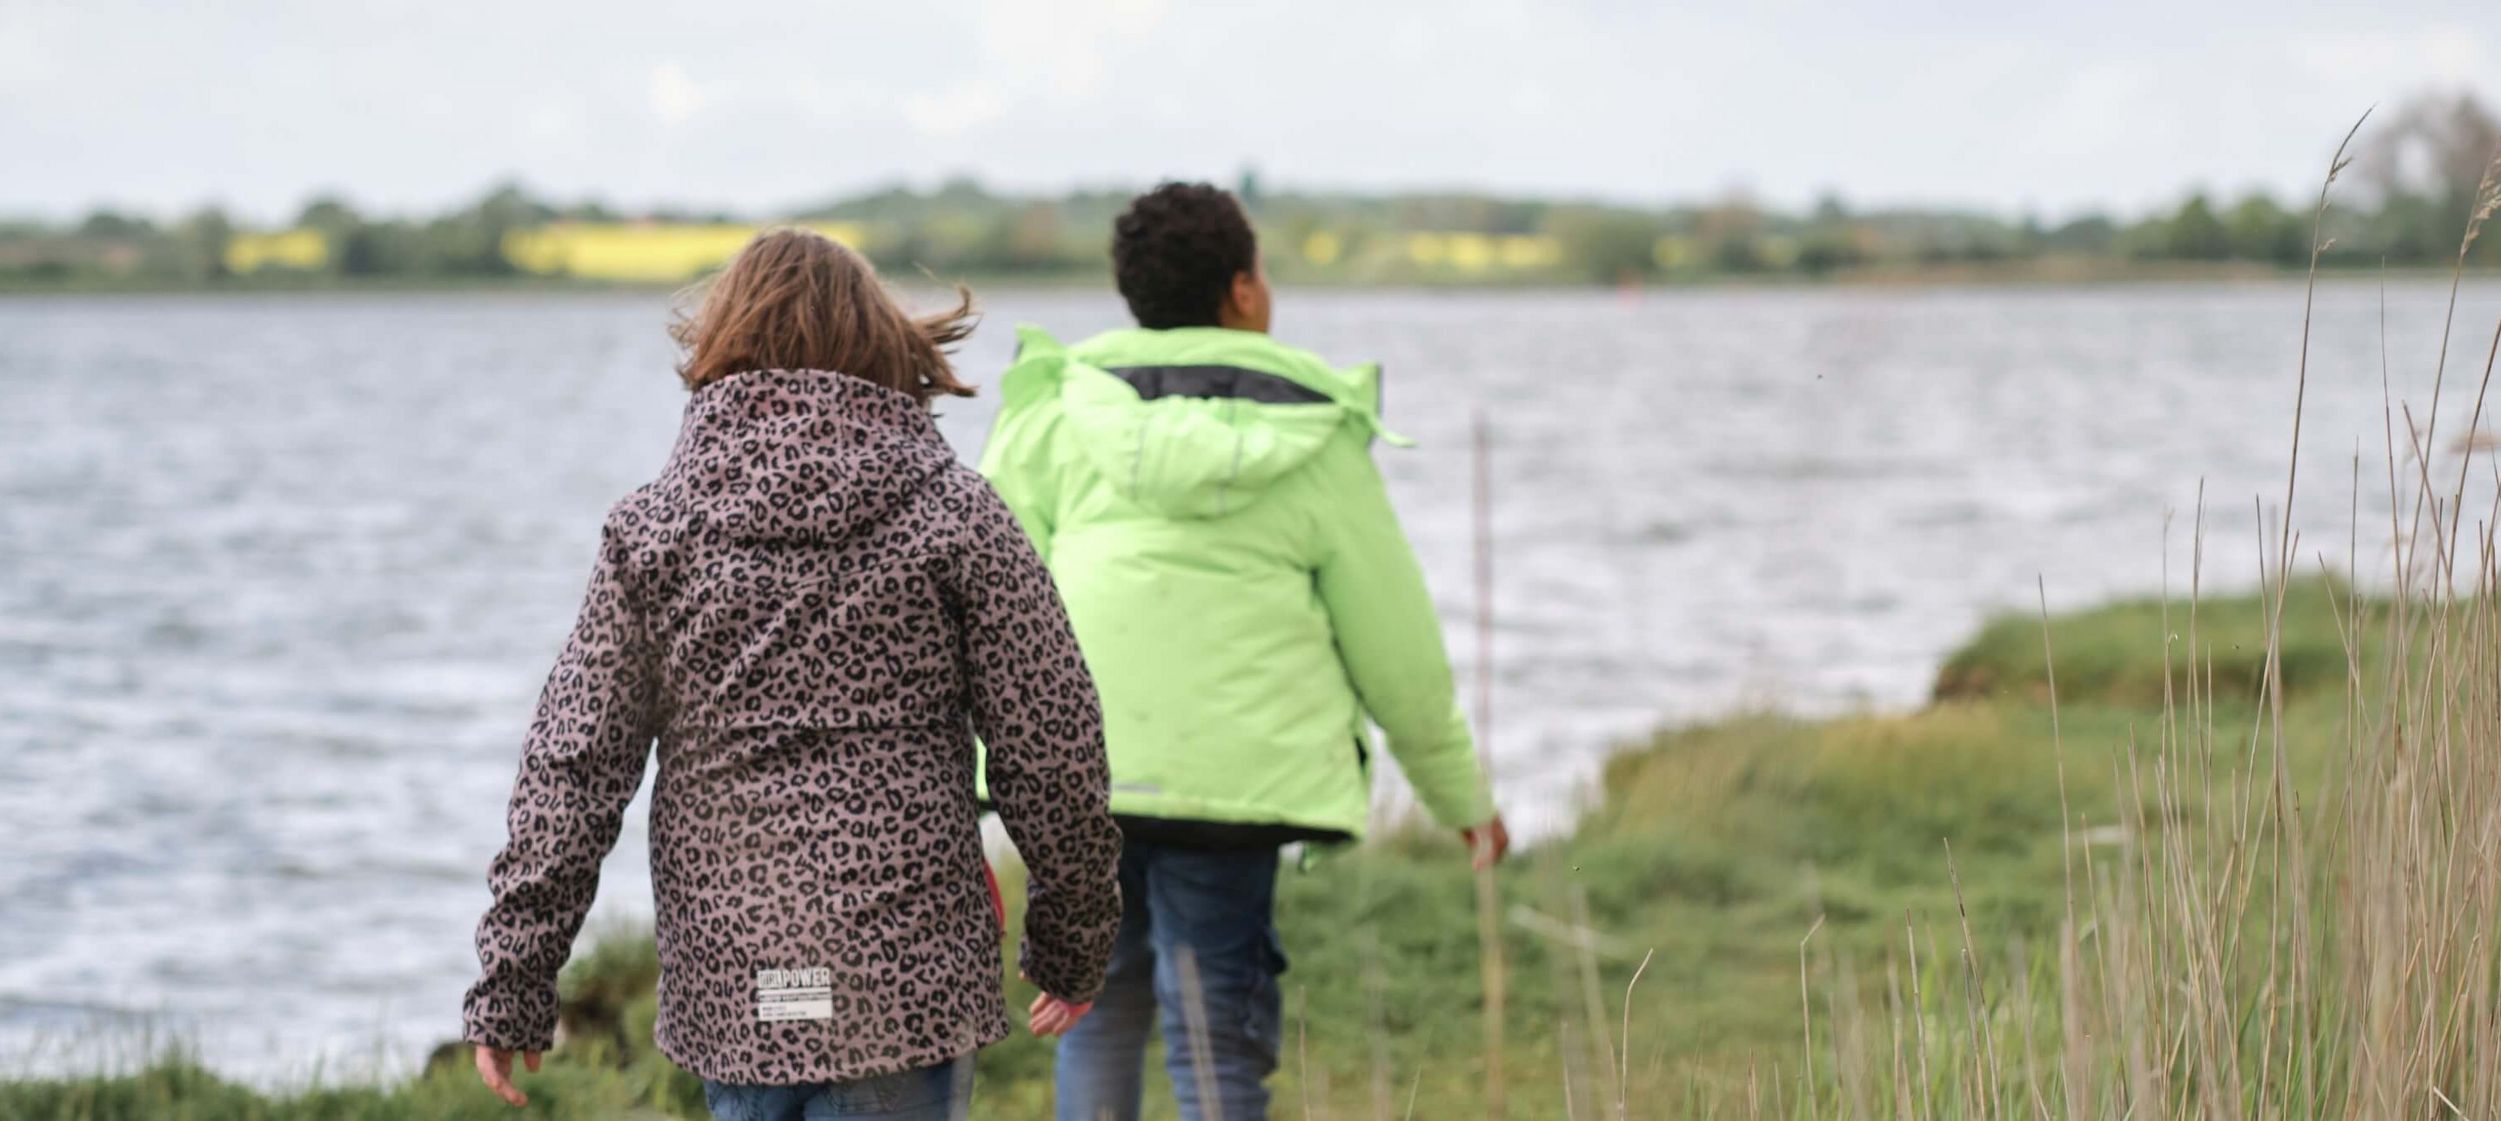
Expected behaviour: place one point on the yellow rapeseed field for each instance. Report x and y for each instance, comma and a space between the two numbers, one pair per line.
283, 249
1475, 252
640, 251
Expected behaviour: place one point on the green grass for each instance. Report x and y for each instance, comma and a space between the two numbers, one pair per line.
2115, 654
175, 1088
1712, 849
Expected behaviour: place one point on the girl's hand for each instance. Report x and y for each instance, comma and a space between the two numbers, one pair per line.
1052, 1016
495, 1069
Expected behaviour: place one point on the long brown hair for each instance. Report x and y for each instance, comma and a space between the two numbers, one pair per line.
795, 299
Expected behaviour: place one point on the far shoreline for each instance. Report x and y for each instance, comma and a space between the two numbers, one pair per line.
2060, 275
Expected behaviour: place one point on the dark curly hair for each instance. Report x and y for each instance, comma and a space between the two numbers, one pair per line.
1175, 252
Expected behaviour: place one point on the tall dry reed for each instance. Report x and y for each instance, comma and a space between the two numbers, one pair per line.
2234, 944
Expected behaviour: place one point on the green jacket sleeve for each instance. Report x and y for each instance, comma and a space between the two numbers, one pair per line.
1391, 640
1019, 458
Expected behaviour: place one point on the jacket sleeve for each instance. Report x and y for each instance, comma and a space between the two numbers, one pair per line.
580, 766
1034, 707
1018, 457
1391, 641
1016, 463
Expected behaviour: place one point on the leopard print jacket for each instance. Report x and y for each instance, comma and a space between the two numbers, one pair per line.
813, 609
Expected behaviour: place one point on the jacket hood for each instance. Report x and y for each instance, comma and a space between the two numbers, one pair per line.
1194, 422
802, 455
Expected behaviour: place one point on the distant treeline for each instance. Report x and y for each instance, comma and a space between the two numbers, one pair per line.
2411, 188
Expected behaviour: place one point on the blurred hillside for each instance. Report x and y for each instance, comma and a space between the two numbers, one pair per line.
2416, 177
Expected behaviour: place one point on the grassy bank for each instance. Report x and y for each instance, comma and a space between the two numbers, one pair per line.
1711, 851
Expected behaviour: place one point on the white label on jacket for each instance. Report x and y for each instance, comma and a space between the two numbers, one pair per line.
794, 994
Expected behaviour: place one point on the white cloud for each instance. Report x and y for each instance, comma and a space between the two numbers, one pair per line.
960, 109
24, 63
551, 118
674, 97
2102, 97
1063, 45
2398, 59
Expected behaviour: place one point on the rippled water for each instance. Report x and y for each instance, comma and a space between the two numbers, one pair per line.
279, 578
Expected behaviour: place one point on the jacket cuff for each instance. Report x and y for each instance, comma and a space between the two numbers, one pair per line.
1459, 796
494, 1022
1051, 974
1477, 810
505, 1040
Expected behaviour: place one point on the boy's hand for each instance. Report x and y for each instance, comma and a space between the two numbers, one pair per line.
495, 1069
1052, 1016
1487, 843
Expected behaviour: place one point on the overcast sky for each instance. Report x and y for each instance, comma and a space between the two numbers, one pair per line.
759, 105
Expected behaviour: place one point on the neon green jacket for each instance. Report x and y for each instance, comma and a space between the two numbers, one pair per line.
1207, 502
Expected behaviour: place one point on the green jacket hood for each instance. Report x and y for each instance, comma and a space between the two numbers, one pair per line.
1194, 422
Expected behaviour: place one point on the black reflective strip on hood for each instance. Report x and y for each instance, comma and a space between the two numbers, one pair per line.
1230, 382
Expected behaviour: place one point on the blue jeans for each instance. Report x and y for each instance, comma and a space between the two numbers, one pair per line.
1215, 908
940, 1093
